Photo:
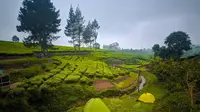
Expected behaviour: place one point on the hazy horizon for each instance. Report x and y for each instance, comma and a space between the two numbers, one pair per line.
132, 23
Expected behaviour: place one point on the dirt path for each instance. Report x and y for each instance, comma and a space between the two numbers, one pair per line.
103, 84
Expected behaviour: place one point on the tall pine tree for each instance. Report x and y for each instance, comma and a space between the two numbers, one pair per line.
70, 29
79, 26
87, 34
95, 27
40, 19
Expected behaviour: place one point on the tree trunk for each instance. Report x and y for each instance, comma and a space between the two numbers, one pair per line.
74, 45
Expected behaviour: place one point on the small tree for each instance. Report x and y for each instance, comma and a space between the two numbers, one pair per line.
156, 49
96, 45
40, 20
15, 38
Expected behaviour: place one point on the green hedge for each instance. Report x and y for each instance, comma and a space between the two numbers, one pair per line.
54, 81
72, 78
19, 75
55, 71
86, 80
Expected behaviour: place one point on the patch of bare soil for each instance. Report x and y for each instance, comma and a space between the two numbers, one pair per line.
103, 84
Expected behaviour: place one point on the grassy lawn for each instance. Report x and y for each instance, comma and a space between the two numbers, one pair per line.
9, 47
15, 48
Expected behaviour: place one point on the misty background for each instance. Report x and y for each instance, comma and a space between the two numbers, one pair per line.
132, 23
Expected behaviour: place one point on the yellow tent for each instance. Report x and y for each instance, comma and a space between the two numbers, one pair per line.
147, 98
96, 105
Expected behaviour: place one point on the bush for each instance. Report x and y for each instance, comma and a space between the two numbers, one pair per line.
107, 73
34, 93
115, 72
110, 92
16, 92
98, 75
19, 75
91, 70
54, 81
61, 76
66, 72
127, 82
173, 102
86, 80
72, 78
48, 67
55, 71
37, 80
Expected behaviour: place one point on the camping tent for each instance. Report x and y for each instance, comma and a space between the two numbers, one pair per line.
147, 98
96, 105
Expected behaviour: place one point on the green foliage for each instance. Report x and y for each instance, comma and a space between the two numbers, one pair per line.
60, 75
91, 70
19, 75
72, 78
86, 80
177, 43
15, 38
173, 102
88, 34
179, 75
22, 61
54, 81
40, 27
16, 92
55, 71
107, 73
126, 83
37, 80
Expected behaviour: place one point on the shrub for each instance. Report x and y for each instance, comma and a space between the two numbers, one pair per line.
61, 76
18, 91
49, 67
55, 71
98, 75
19, 75
108, 73
54, 81
91, 70
115, 72
127, 82
72, 78
110, 92
76, 72
34, 92
86, 80
36, 80
173, 102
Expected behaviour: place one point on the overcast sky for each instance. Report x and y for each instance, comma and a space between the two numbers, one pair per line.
131, 23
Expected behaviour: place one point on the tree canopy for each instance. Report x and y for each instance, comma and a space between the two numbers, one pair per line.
15, 38
77, 31
40, 19
176, 44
